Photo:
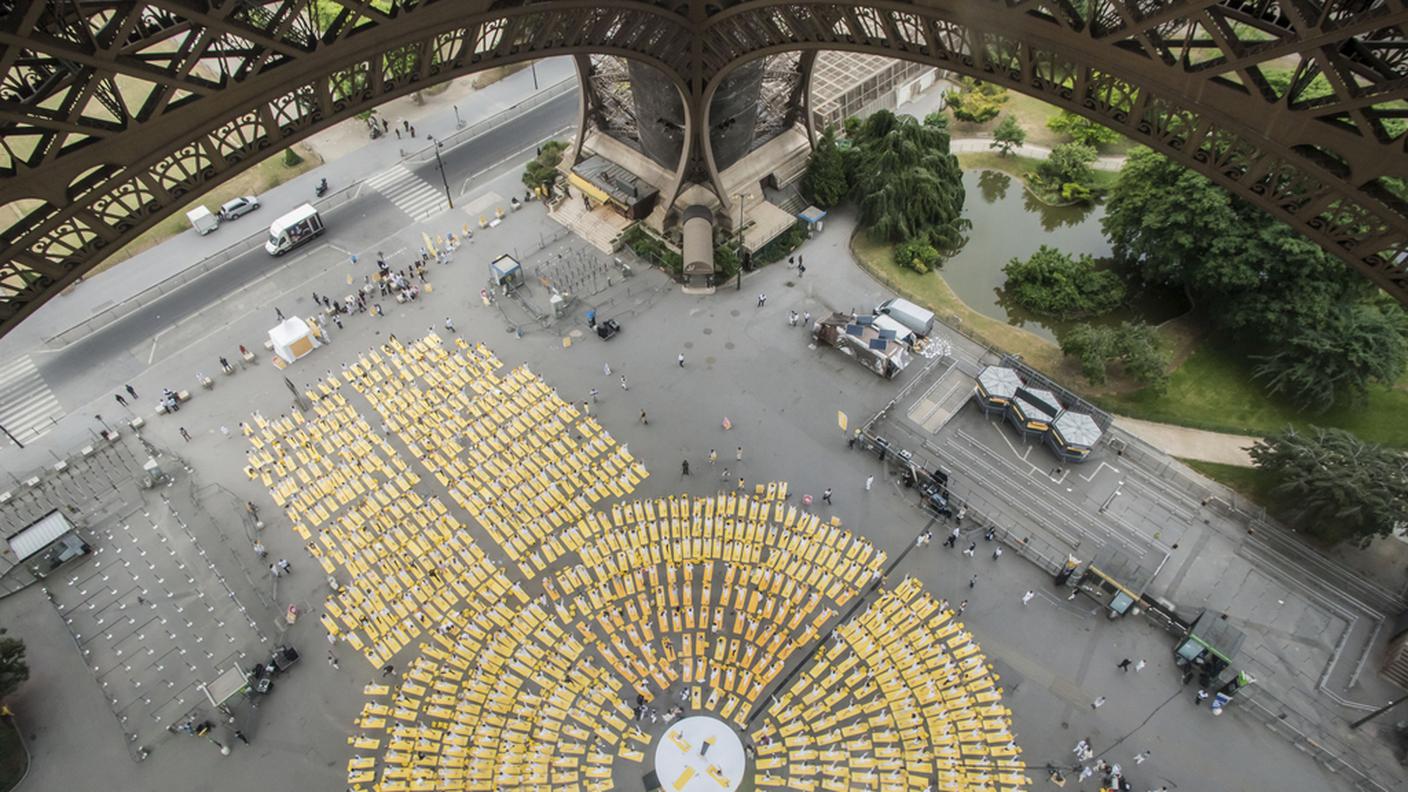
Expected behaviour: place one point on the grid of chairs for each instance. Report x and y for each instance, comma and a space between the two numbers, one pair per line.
902, 697
521, 461
510, 700
696, 602
715, 593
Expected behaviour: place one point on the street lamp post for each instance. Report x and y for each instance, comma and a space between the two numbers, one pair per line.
533, 66
742, 197
458, 123
443, 180
13, 439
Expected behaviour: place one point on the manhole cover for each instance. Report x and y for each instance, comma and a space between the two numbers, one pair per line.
708, 331
728, 345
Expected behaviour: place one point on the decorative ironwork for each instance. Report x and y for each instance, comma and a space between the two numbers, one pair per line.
112, 111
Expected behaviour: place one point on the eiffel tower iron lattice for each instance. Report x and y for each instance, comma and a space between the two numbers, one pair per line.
114, 113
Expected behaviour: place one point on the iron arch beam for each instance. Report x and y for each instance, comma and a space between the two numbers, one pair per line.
1343, 185
91, 168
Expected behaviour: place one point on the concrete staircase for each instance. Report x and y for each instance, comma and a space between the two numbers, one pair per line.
601, 228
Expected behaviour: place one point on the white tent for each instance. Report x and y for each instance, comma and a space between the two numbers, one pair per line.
292, 339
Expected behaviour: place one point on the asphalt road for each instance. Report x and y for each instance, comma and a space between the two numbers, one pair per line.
355, 227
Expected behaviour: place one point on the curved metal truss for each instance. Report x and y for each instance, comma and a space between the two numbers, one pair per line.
113, 111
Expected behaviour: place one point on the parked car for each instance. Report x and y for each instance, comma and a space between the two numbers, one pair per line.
920, 320
236, 207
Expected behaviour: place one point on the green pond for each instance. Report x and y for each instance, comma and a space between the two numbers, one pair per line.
1009, 223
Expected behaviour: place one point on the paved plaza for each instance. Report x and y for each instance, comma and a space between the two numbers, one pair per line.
568, 621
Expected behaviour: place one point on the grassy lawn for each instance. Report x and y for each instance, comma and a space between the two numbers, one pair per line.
266, 175
1213, 390
13, 759
1252, 483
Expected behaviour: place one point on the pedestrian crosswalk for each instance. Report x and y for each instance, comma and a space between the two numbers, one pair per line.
28, 408
410, 193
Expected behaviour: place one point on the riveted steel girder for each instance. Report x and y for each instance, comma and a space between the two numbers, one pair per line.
113, 113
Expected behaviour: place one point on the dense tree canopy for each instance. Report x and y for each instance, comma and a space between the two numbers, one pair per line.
1335, 485
1067, 172
1007, 136
541, 171
1135, 345
1053, 283
1356, 345
1249, 271
907, 183
977, 101
1082, 130
824, 183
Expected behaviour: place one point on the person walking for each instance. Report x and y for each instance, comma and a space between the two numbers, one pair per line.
606, 369
643, 420
185, 435
952, 540
962, 606
586, 408
869, 480
1199, 698
740, 482
680, 360
713, 456
284, 566
1028, 596
279, 313
131, 391
120, 400
1142, 757
1124, 665
449, 324
739, 454
684, 467
1139, 666
973, 581
332, 661
971, 550
762, 299
724, 475
239, 735
997, 552
624, 386
1098, 702
387, 670
826, 496
274, 570
801, 269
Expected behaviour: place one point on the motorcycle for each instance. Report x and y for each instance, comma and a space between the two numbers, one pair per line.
322, 188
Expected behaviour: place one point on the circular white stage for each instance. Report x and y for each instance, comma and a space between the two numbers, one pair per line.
681, 767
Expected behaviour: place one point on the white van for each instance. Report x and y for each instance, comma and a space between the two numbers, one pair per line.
293, 229
920, 320
902, 334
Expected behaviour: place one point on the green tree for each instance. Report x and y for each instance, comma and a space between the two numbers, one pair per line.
1082, 130
1322, 364
1134, 345
1052, 283
1094, 347
1250, 272
1334, 485
1069, 163
976, 102
541, 171
907, 183
918, 255
824, 183
13, 668
1007, 136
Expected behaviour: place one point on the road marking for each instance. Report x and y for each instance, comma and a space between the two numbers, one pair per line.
27, 407
410, 193
466, 187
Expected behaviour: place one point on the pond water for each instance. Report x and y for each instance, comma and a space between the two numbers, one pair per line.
1009, 223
